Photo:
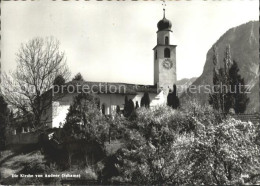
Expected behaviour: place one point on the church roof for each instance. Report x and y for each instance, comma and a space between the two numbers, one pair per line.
170, 46
107, 88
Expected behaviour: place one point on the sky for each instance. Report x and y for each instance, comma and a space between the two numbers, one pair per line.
112, 41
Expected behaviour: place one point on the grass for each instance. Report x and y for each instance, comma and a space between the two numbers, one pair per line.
12, 163
32, 163
113, 146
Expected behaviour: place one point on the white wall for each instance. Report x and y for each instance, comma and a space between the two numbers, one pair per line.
60, 108
161, 37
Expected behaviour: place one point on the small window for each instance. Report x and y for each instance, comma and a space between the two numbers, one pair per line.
167, 40
155, 54
167, 53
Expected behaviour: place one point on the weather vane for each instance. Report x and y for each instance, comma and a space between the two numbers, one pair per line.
164, 6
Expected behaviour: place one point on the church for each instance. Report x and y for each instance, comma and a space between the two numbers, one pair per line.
112, 95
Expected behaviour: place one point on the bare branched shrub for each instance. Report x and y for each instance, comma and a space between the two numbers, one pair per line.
39, 62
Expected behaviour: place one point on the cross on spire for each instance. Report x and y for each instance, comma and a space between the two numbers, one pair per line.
164, 6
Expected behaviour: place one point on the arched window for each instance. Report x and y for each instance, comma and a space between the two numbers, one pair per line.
155, 54
103, 109
167, 40
167, 53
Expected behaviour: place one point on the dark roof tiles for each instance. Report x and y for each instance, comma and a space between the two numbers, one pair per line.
107, 88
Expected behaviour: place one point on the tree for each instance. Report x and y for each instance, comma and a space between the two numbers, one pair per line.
229, 90
227, 101
227, 64
78, 77
131, 106
28, 88
145, 100
136, 105
84, 120
59, 80
4, 122
237, 96
172, 98
221, 154
154, 151
85, 130
176, 101
159, 149
215, 97
147, 146
118, 110
128, 107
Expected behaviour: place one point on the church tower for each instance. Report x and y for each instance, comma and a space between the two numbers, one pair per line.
164, 57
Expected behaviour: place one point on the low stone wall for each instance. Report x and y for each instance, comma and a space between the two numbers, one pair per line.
23, 139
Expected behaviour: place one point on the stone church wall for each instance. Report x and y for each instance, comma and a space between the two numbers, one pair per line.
60, 108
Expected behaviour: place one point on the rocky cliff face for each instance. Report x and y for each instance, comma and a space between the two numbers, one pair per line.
184, 84
244, 45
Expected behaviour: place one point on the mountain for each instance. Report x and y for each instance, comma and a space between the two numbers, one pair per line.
244, 46
184, 83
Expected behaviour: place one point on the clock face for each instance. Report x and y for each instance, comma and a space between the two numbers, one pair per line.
167, 64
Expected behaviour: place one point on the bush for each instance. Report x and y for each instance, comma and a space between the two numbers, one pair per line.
148, 155
84, 120
222, 154
194, 145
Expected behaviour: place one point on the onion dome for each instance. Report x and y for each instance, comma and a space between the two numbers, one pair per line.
164, 24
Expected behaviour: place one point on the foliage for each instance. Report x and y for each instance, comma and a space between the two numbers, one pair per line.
39, 62
59, 80
216, 98
78, 77
4, 121
148, 140
205, 113
129, 107
136, 105
172, 98
39, 167
85, 131
118, 110
145, 100
84, 120
33, 163
239, 99
194, 145
126, 106
221, 154
21, 119
229, 90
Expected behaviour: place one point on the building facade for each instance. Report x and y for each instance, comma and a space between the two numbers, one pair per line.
164, 79
164, 56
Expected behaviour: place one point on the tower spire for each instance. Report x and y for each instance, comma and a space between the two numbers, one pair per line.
164, 5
